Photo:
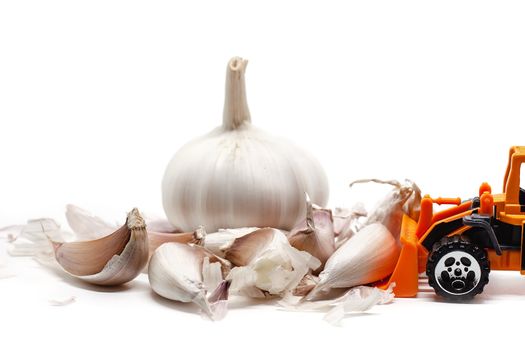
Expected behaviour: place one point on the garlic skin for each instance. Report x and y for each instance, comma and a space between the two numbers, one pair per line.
267, 264
190, 273
110, 260
355, 300
238, 175
86, 225
316, 234
369, 256
219, 242
346, 222
389, 211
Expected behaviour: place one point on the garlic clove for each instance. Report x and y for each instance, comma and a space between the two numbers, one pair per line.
183, 272
316, 234
111, 260
156, 239
369, 256
389, 211
412, 206
247, 248
308, 282
219, 242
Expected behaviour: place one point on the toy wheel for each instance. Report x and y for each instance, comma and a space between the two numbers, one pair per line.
457, 269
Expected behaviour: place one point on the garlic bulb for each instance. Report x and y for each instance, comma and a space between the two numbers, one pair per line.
238, 175
190, 273
369, 256
110, 260
316, 234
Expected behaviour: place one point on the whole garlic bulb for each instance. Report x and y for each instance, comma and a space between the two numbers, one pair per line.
238, 175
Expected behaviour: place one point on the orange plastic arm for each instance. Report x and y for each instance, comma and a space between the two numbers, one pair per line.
440, 201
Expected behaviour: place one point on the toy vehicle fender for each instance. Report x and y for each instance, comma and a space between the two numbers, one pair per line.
483, 222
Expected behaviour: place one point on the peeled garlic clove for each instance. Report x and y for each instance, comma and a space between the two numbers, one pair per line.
316, 234
182, 272
112, 260
389, 211
369, 256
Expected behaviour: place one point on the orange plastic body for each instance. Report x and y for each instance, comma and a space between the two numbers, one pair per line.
504, 207
405, 274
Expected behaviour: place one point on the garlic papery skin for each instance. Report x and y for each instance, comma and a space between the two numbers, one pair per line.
111, 260
369, 256
316, 234
183, 272
245, 249
238, 175
267, 264
85, 225
389, 210
219, 242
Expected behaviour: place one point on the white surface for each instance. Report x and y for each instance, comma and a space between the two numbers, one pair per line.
95, 97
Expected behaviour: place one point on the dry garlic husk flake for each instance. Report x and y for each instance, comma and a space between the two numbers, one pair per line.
315, 235
238, 175
111, 260
267, 264
389, 211
369, 256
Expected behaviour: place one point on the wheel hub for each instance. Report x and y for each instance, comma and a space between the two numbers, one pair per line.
458, 272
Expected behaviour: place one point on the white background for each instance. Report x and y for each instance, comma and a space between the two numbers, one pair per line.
95, 97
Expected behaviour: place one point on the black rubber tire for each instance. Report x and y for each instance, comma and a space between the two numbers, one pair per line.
460, 244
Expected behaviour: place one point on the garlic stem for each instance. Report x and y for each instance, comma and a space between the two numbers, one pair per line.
236, 112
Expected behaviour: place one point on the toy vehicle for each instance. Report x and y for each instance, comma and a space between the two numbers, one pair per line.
458, 247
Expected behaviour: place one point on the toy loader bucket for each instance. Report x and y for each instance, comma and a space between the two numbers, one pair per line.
406, 274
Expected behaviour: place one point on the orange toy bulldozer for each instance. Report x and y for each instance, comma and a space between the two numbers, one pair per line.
458, 247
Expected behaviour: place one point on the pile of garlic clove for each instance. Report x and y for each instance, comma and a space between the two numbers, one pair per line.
315, 266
